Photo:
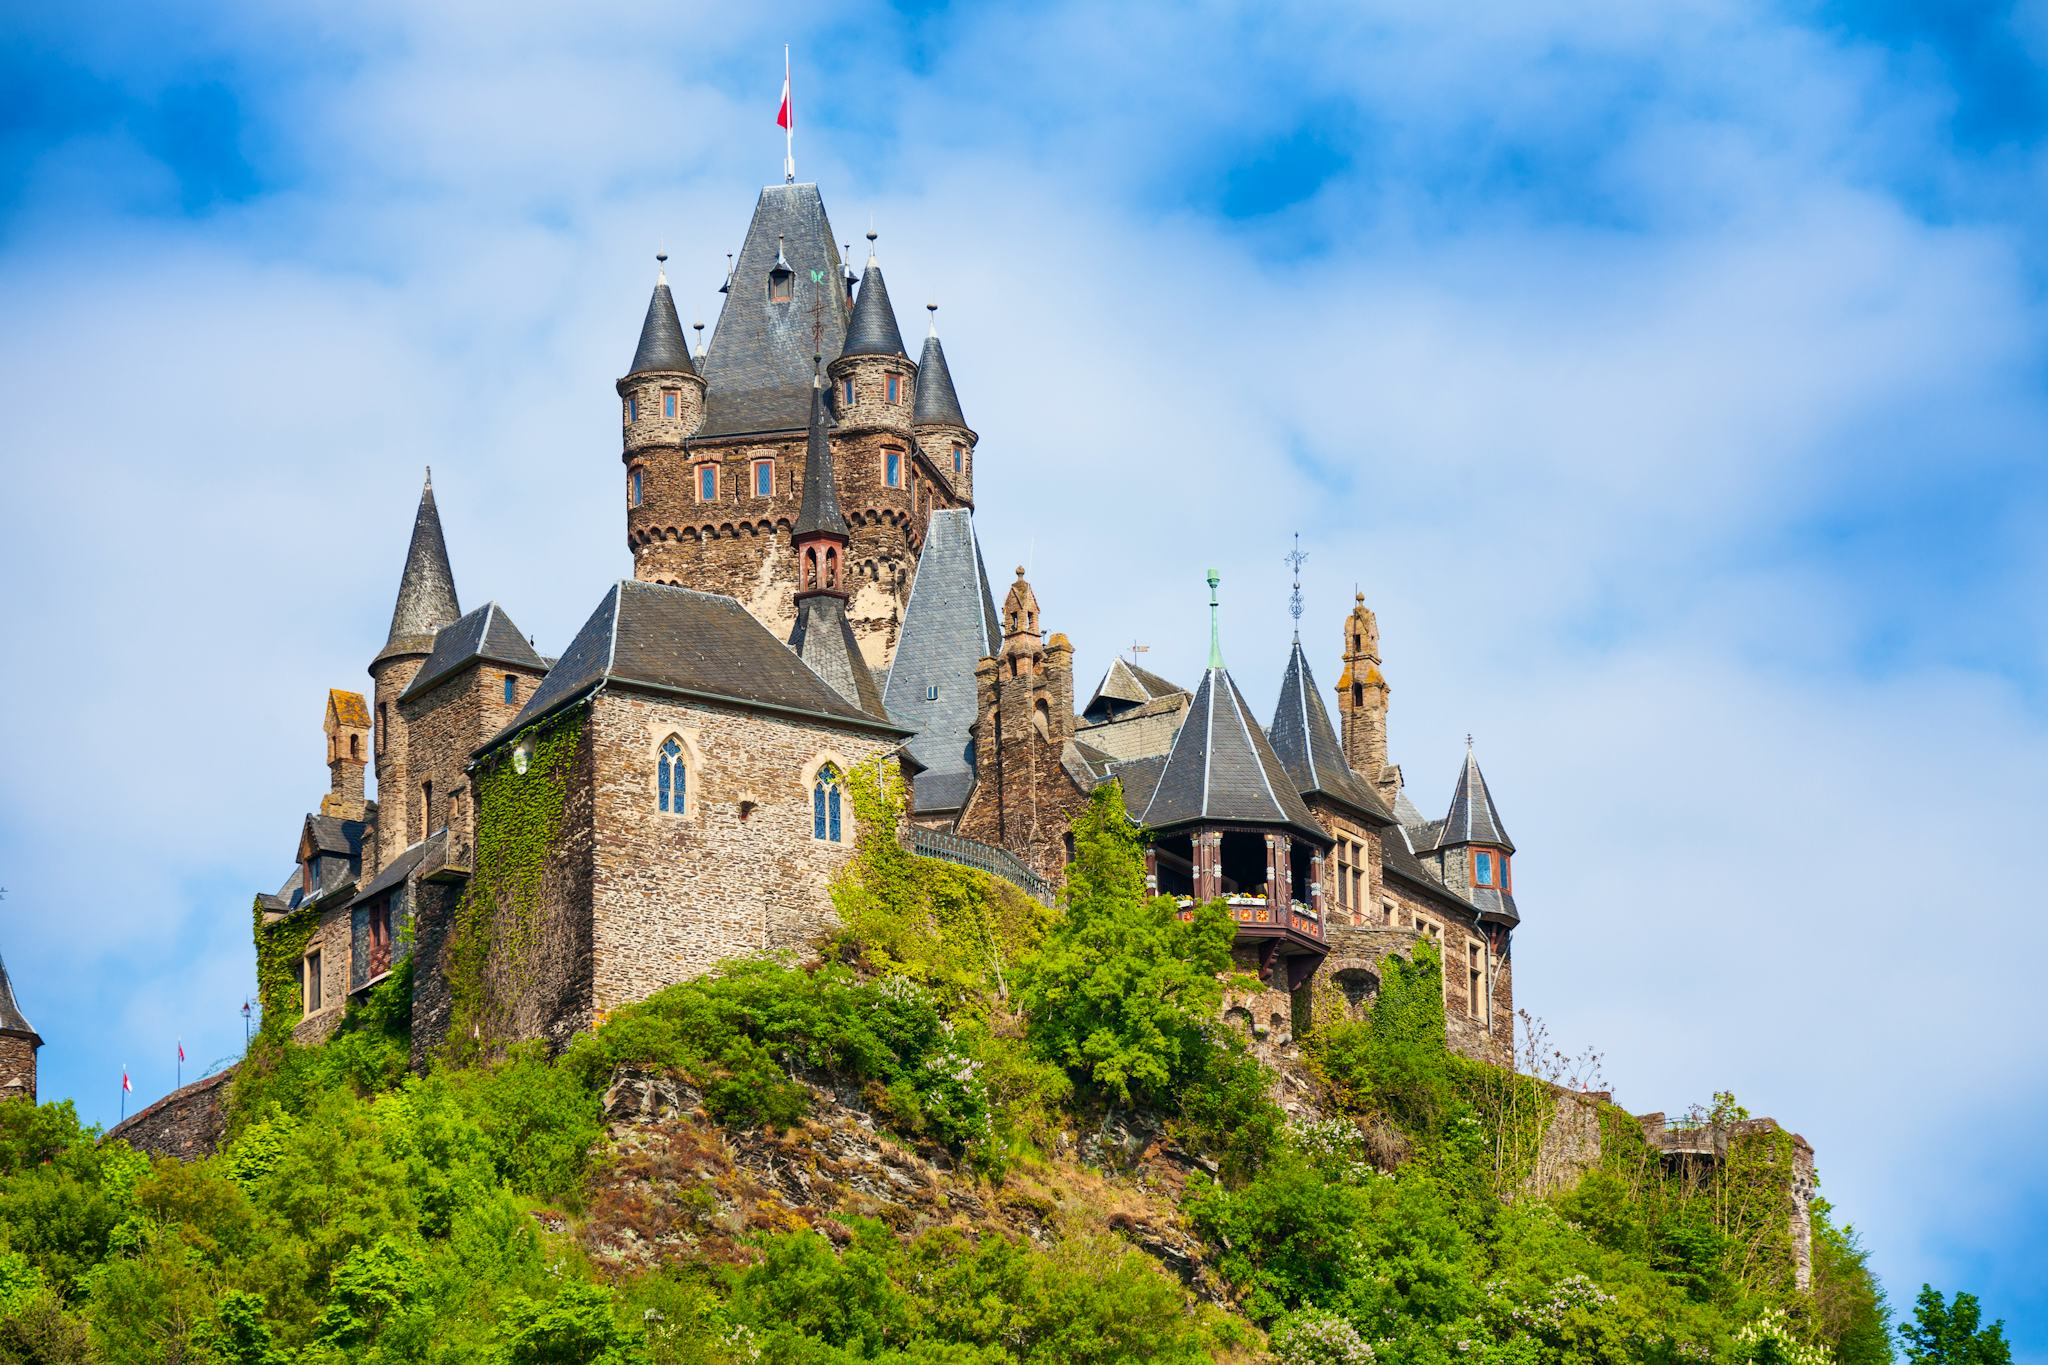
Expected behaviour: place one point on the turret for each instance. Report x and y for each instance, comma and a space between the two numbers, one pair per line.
661, 405
348, 728
1474, 852
426, 603
874, 378
18, 1044
1023, 646
942, 432
822, 636
1362, 704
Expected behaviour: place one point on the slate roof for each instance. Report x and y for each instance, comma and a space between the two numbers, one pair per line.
823, 639
426, 590
1126, 686
486, 635
681, 642
662, 348
757, 369
949, 626
936, 400
12, 1020
1307, 744
1222, 769
399, 868
873, 329
1472, 818
820, 511
332, 835
1139, 777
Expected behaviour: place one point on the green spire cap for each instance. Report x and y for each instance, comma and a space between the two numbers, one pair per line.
1215, 624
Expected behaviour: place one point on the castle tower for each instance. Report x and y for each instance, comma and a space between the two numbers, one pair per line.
1362, 704
426, 603
661, 405
1473, 851
942, 432
348, 732
18, 1044
822, 636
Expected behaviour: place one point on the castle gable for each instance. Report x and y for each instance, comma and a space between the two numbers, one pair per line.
486, 635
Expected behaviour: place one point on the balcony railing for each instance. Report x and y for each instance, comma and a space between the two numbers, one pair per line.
997, 862
1257, 912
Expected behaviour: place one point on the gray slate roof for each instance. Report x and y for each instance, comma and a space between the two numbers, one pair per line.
823, 639
426, 590
873, 330
758, 367
1125, 686
949, 626
1139, 778
936, 400
12, 1020
698, 645
336, 836
820, 511
1307, 744
1472, 818
398, 869
1222, 769
486, 635
662, 348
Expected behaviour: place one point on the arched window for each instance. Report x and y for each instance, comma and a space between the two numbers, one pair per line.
355, 746
826, 797
810, 568
673, 776
832, 567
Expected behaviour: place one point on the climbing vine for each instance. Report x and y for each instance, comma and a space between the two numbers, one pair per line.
519, 817
280, 947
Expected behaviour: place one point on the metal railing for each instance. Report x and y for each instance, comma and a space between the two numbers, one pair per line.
997, 862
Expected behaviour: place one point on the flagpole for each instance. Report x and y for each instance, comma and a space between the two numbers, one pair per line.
789, 129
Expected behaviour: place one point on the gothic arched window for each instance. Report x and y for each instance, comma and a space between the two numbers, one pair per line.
825, 802
673, 776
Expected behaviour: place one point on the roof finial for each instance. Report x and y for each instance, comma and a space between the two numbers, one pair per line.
661, 267
1215, 623
786, 116
698, 328
1468, 743
430, 476
817, 371
872, 234
932, 311
1296, 559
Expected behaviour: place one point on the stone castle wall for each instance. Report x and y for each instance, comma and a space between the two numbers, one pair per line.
17, 1067
738, 872
444, 727
189, 1123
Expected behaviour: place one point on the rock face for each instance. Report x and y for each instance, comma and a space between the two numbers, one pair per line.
679, 1186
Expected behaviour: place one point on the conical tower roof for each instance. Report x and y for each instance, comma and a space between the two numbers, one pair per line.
11, 1018
1473, 818
757, 371
873, 330
823, 639
1222, 769
662, 348
949, 627
936, 400
1307, 745
426, 591
820, 511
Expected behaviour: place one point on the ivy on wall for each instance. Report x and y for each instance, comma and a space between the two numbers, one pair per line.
280, 947
519, 816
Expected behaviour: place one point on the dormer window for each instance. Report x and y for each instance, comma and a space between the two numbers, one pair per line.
1490, 869
781, 285
931, 692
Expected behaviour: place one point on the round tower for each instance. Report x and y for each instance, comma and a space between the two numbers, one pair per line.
661, 405
942, 432
426, 602
874, 378
18, 1045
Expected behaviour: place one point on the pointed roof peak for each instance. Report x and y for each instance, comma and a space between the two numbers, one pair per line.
1222, 769
932, 312
426, 590
1473, 818
873, 329
819, 514
661, 349
12, 1020
936, 402
1307, 743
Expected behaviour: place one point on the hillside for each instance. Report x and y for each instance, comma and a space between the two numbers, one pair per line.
974, 1130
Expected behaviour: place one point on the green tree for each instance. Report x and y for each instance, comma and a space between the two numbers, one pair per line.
1125, 993
1949, 1333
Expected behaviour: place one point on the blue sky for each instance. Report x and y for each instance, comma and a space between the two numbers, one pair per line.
1672, 379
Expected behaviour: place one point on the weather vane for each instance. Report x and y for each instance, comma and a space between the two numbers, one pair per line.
1296, 559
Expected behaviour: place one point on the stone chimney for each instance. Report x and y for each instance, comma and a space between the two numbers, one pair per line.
348, 754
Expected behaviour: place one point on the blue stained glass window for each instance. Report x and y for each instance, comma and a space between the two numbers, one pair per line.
959, 459
672, 776
668, 402
510, 684
846, 391
892, 388
707, 484
893, 473
636, 488
825, 805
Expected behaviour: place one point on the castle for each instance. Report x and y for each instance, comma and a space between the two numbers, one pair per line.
567, 835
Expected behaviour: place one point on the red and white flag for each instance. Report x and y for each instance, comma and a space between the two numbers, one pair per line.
126, 1088
181, 1049
785, 117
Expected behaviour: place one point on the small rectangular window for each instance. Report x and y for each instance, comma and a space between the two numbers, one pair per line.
633, 488
1482, 869
764, 478
669, 399
311, 989
511, 684
627, 412
1507, 880
846, 392
931, 692
1475, 984
959, 459
892, 468
894, 381
707, 483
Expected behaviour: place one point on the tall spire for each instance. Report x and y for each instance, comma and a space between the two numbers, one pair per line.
873, 330
1215, 623
937, 403
426, 591
819, 514
1473, 818
661, 347
11, 1018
